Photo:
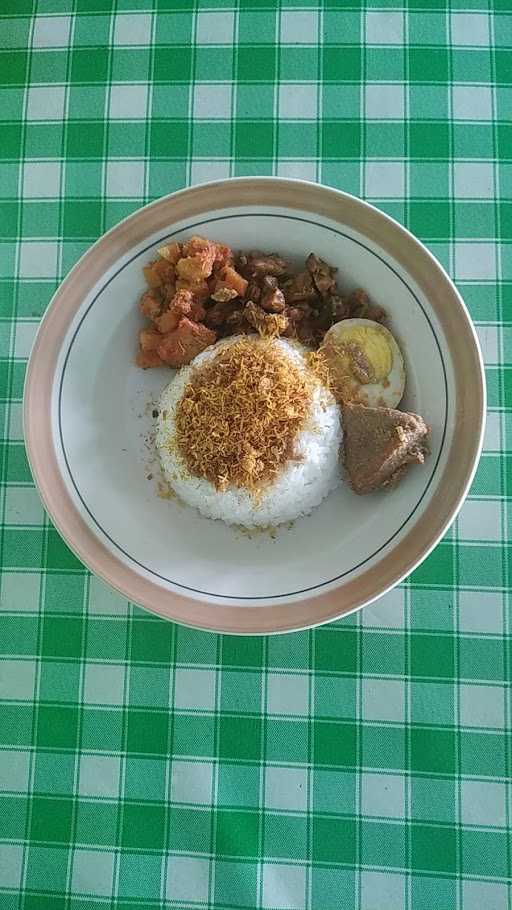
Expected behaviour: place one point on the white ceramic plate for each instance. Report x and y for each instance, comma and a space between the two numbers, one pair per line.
88, 417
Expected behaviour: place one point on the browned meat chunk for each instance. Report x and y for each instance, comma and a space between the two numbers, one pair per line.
254, 291
194, 269
182, 304
168, 321
150, 304
272, 298
223, 255
171, 252
300, 289
199, 257
256, 264
200, 290
340, 308
160, 274
217, 315
306, 332
301, 323
361, 308
236, 323
323, 275
200, 246
183, 344
152, 277
380, 444
295, 314
197, 262
229, 278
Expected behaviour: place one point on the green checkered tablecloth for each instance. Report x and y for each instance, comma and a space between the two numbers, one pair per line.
362, 766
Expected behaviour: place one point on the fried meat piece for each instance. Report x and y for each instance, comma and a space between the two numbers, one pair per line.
256, 264
300, 289
150, 304
231, 279
184, 343
323, 275
182, 304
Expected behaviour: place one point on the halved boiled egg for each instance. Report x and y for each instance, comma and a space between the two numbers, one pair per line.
365, 363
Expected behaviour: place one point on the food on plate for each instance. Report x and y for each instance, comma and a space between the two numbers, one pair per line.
174, 302
277, 367
379, 444
249, 434
365, 363
199, 291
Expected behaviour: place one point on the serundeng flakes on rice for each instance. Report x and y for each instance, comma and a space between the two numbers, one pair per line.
239, 416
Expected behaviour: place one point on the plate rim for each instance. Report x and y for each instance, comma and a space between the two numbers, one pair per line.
247, 192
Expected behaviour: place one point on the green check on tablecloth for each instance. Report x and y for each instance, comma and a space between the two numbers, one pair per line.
361, 766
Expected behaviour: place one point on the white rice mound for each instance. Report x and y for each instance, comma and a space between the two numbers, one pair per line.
300, 486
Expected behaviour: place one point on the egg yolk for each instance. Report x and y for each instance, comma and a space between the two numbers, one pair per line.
364, 353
